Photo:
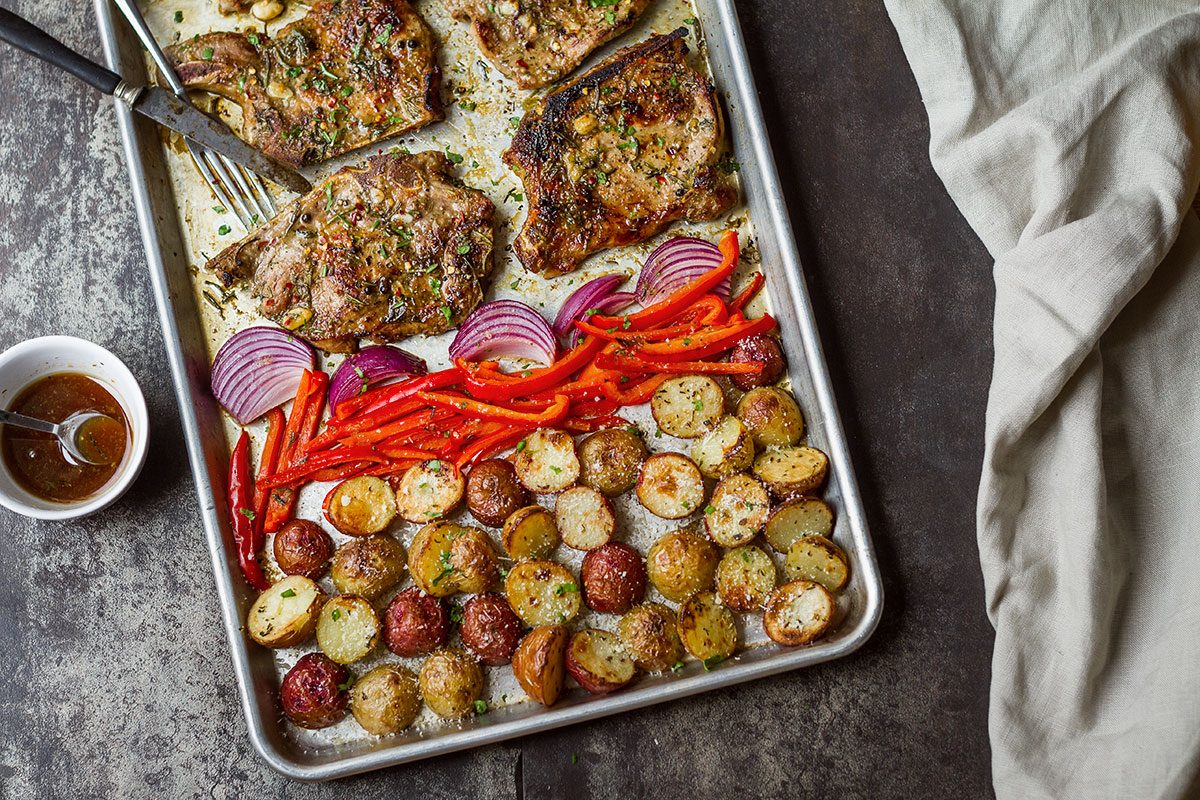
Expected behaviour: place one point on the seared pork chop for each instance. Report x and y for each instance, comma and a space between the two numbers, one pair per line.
536, 42
388, 250
348, 73
615, 156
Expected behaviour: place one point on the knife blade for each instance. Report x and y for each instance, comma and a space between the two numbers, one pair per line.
185, 119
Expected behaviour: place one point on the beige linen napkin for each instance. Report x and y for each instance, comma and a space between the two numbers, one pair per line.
1065, 131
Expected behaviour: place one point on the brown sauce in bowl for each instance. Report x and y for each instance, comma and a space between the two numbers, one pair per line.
36, 460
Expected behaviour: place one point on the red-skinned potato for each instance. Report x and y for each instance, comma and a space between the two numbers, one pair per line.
597, 661
614, 578
539, 663
494, 493
415, 623
758, 349
303, 548
490, 629
314, 692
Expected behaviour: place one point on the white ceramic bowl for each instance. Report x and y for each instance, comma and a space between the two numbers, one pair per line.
24, 363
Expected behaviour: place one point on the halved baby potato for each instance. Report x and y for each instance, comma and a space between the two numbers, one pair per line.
543, 593
451, 681
445, 558
707, 628
348, 629
369, 566
650, 636
681, 564
584, 518
798, 612
597, 661
609, 460
795, 519
286, 613
539, 663
738, 510
772, 416
791, 471
429, 490
385, 700
724, 450
817, 559
530, 532
547, 463
745, 578
361, 506
670, 485
688, 406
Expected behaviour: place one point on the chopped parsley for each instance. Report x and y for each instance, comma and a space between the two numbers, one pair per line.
288, 593
463, 249
223, 230
344, 686
455, 158
385, 34
435, 465
178, 17
712, 661
677, 666
521, 445
709, 510
207, 54
253, 39
481, 707
447, 313
247, 513
336, 614
565, 588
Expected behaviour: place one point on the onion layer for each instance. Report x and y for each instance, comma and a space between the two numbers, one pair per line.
505, 328
258, 369
675, 263
594, 297
370, 366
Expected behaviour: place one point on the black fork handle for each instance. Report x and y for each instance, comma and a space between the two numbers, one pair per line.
25, 35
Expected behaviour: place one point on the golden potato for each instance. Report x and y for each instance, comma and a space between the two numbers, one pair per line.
681, 564
772, 416
688, 406
817, 559
798, 612
609, 460
285, 614
649, 634
738, 510
584, 518
368, 567
447, 558
792, 471
707, 629
547, 463
361, 506
348, 629
543, 593
745, 578
670, 485
530, 533
795, 519
385, 700
429, 490
451, 682
724, 450
539, 663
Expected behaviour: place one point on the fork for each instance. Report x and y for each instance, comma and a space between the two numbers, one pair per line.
233, 186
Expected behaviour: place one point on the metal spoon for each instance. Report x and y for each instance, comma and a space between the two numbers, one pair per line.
67, 432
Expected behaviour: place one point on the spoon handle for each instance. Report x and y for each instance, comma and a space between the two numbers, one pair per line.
22, 421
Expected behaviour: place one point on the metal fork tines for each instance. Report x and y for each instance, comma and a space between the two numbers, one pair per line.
235, 188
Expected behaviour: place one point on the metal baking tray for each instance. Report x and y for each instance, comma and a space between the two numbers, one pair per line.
178, 233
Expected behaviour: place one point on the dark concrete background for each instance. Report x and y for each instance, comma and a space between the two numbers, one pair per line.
114, 674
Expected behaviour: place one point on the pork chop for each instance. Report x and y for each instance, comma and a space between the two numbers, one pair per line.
536, 42
615, 156
387, 250
350, 72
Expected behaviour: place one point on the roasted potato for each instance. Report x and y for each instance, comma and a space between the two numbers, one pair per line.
446, 558
613, 577
285, 614
542, 593
745, 578
429, 490
584, 518
530, 533
597, 661
772, 416
724, 450
313, 693
609, 461
758, 349
792, 471
738, 510
415, 623
361, 506
670, 485
490, 629
547, 463
795, 519
303, 548
798, 612
539, 663
348, 629
493, 492
817, 559
650, 637
707, 628
688, 406
451, 682
368, 567
681, 564
386, 700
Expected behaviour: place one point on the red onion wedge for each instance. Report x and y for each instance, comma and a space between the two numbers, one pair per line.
258, 369
505, 328
370, 366
675, 263
594, 297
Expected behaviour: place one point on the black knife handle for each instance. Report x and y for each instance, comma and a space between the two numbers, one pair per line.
35, 41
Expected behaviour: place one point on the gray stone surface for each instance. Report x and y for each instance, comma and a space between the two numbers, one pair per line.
114, 675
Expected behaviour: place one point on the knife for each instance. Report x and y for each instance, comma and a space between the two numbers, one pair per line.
151, 101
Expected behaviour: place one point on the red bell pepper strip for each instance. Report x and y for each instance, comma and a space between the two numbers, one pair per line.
640, 392
473, 408
488, 446
330, 458
747, 294
268, 462
340, 473
682, 297
496, 387
592, 424
390, 469
597, 408
281, 502
241, 513
382, 396
407, 453
708, 342
628, 362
